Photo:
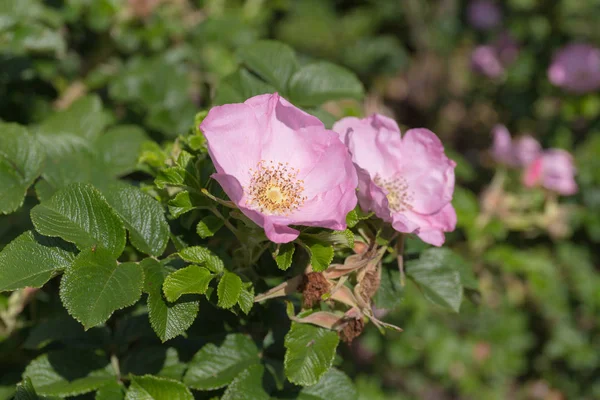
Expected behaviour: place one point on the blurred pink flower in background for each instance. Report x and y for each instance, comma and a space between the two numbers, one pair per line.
554, 170
514, 153
280, 166
406, 180
484, 14
492, 60
576, 68
486, 61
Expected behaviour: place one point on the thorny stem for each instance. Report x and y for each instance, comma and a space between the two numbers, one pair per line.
400, 257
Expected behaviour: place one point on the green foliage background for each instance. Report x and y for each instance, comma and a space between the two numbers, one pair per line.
97, 97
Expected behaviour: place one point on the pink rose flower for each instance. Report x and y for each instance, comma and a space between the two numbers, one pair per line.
280, 166
518, 153
576, 68
554, 170
484, 14
406, 180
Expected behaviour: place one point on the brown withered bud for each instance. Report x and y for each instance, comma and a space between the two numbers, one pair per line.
352, 329
313, 286
369, 284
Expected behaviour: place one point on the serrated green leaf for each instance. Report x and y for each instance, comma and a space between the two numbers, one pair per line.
343, 238
173, 176
439, 282
150, 387
247, 385
69, 373
31, 260
315, 84
285, 255
390, 292
273, 61
181, 204
310, 351
26, 391
321, 254
119, 148
189, 280
111, 391
85, 118
352, 219
21, 162
333, 385
79, 214
229, 290
95, 286
143, 217
215, 367
246, 299
203, 256
167, 319
208, 226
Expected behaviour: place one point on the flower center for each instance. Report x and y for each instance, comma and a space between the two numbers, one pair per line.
274, 188
398, 195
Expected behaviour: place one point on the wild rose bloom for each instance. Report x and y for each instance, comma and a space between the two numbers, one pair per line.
484, 14
406, 180
280, 166
576, 68
518, 153
554, 170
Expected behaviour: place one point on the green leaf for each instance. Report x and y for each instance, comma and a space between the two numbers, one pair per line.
273, 61
247, 385
85, 118
150, 387
184, 202
79, 214
310, 351
69, 373
390, 292
26, 391
156, 360
458, 263
208, 226
143, 217
167, 319
315, 84
246, 299
285, 255
189, 280
119, 149
229, 290
439, 282
352, 219
21, 162
111, 391
343, 238
321, 254
173, 176
203, 256
334, 385
239, 86
96, 285
31, 260
215, 367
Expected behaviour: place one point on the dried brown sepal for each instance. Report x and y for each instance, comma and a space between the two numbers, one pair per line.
313, 286
351, 329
